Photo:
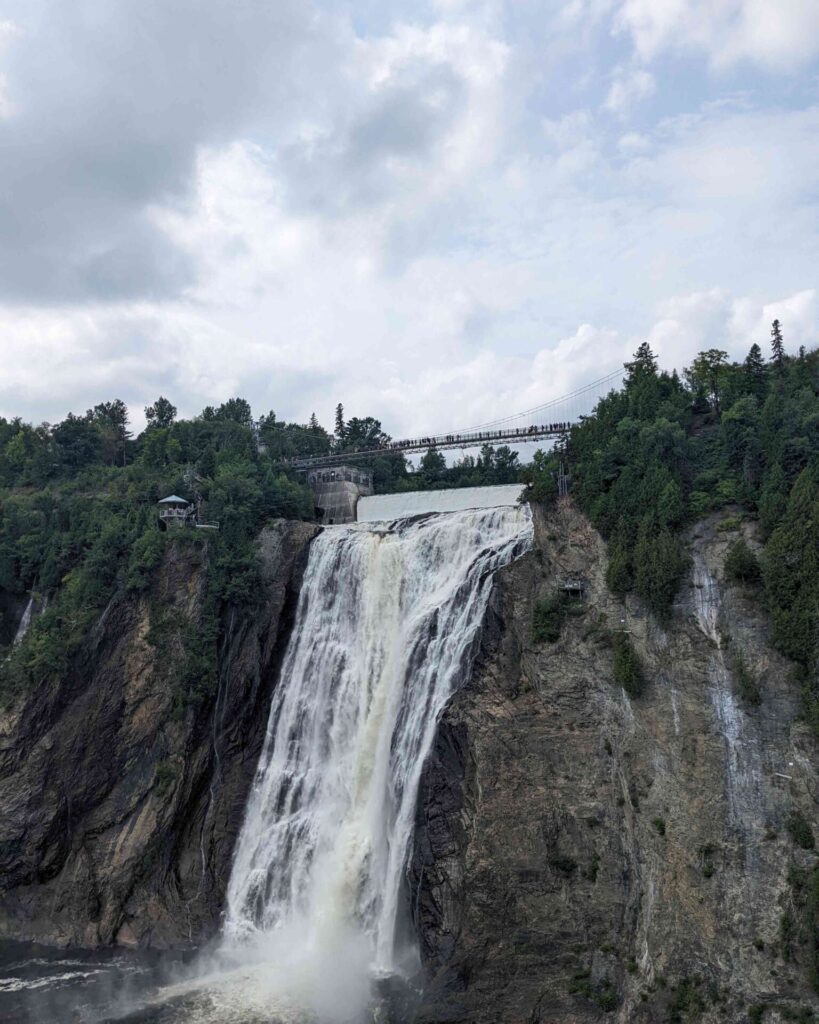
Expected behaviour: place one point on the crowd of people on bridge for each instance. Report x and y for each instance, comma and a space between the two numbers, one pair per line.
465, 440
481, 436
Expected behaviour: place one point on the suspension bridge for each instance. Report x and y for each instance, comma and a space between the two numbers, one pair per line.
551, 420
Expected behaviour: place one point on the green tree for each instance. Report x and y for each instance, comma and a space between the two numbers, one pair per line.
741, 564
628, 672
660, 564
754, 370
619, 574
643, 364
777, 346
670, 505
791, 573
432, 465
235, 410
773, 499
112, 420
78, 442
340, 427
364, 433
708, 374
161, 414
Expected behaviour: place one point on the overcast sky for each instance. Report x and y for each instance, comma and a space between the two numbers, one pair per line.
437, 213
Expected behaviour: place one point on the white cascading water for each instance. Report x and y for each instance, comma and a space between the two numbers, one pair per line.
386, 628
743, 764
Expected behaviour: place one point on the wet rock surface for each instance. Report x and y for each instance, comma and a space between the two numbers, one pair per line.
583, 856
118, 816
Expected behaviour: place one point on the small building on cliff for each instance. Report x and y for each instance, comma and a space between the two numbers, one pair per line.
337, 490
176, 511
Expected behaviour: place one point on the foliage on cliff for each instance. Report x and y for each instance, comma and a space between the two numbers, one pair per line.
664, 451
78, 521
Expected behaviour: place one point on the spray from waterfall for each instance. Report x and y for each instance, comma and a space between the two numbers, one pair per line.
386, 629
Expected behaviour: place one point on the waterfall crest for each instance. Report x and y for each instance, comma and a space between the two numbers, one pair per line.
386, 629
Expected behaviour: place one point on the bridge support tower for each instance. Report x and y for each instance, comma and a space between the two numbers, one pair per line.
336, 490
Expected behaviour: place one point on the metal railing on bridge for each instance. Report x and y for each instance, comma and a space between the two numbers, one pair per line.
517, 428
475, 439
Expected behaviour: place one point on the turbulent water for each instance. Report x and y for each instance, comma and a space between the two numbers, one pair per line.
386, 628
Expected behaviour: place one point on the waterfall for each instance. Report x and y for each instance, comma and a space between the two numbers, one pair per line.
386, 628
25, 621
743, 762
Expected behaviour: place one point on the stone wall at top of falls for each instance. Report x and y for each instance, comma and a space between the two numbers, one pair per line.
118, 817
581, 856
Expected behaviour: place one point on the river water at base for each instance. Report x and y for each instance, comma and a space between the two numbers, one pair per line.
44, 985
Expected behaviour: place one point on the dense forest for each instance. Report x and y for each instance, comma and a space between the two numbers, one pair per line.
78, 517
78, 499
666, 450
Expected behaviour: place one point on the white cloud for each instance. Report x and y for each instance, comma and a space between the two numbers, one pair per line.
780, 35
629, 86
433, 230
8, 30
798, 314
632, 143
714, 319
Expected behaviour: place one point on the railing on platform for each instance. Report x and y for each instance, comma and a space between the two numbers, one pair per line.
176, 515
185, 517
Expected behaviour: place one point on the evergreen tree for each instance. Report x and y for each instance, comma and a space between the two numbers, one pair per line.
791, 572
619, 575
340, 427
660, 564
644, 363
773, 498
754, 369
777, 346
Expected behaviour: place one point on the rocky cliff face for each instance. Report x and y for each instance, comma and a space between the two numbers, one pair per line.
118, 817
579, 855
583, 856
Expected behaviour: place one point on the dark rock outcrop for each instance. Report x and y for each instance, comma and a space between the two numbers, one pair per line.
117, 816
583, 856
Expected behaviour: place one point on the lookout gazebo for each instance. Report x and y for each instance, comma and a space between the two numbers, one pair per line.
175, 511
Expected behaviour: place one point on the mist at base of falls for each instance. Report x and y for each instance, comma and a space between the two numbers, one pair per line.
387, 626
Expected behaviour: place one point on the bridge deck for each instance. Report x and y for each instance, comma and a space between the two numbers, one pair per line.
519, 435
